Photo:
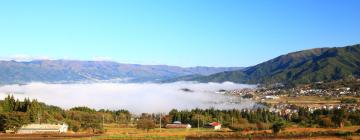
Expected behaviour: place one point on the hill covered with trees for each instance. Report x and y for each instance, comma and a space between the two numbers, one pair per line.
322, 64
15, 113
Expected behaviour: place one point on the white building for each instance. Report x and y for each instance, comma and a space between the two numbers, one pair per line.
271, 97
178, 124
43, 128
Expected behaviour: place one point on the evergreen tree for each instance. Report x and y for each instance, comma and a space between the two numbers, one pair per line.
34, 111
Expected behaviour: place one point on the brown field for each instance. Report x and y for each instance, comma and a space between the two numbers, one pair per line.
307, 100
44, 136
132, 133
114, 132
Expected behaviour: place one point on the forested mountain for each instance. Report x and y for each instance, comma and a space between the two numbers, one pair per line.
60, 71
322, 64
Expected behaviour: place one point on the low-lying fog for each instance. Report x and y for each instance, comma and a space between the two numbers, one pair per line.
137, 98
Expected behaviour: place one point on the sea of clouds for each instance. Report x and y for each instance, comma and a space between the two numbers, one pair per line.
136, 97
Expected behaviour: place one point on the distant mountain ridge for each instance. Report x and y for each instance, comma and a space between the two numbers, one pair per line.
64, 71
314, 65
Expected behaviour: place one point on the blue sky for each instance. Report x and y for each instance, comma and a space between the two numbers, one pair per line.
174, 32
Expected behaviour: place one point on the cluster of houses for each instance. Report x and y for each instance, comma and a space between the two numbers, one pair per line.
299, 91
338, 92
287, 109
263, 94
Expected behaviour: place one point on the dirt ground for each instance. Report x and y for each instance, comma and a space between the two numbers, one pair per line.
44, 136
113, 132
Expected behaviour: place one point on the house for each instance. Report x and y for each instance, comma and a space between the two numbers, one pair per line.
178, 124
214, 125
271, 97
43, 128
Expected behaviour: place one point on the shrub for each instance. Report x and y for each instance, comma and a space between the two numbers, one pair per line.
326, 122
145, 124
278, 126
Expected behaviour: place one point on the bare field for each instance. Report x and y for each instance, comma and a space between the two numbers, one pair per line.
114, 132
194, 133
307, 100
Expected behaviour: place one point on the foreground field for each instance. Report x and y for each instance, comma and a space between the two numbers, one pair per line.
297, 133
113, 132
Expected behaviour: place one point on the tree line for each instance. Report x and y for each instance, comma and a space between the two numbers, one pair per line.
15, 113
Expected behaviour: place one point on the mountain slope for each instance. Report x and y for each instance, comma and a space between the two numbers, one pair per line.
323, 64
13, 72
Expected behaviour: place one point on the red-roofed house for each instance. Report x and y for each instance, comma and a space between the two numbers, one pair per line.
215, 125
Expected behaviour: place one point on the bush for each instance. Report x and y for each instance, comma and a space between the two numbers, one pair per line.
248, 96
74, 125
348, 101
145, 124
262, 126
13, 121
326, 122
243, 127
278, 126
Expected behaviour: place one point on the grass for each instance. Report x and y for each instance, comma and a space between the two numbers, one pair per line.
113, 132
294, 132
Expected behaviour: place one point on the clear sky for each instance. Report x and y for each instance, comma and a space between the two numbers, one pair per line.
174, 32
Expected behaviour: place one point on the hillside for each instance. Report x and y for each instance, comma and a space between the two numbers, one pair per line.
322, 64
64, 71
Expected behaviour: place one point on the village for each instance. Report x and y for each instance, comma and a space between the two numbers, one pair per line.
287, 101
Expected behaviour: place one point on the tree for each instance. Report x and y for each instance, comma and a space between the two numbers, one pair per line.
339, 117
83, 109
73, 125
145, 122
13, 121
277, 127
34, 111
9, 104
91, 121
123, 117
326, 122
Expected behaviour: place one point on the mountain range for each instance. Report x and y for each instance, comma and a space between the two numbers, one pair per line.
314, 65
67, 71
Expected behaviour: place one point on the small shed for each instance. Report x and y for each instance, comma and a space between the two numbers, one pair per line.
214, 125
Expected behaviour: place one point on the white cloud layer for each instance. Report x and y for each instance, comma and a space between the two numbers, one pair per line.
24, 58
137, 98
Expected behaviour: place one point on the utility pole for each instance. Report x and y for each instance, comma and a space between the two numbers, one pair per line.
39, 117
160, 121
198, 122
103, 117
116, 121
232, 121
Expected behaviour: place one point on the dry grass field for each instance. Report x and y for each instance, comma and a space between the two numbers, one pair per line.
307, 100
114, 132
133, 133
